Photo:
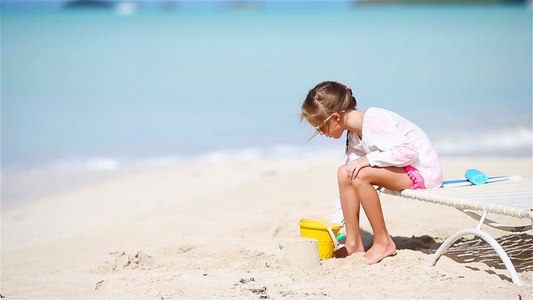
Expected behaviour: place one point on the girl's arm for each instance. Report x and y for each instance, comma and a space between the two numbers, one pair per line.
387, 144
400, 155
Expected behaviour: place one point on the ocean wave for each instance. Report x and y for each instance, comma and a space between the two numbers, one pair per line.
269, 152
88, 164
502, 142
505, 142
73, 163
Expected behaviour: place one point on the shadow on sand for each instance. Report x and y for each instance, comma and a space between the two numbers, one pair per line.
519, 247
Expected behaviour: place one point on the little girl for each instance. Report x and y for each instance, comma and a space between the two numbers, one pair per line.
383, 148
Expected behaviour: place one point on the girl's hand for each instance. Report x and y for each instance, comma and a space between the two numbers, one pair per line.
355, 165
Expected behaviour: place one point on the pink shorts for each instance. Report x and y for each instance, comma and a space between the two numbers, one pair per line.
416, 177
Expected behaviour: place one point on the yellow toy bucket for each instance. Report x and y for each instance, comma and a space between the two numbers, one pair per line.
318, 230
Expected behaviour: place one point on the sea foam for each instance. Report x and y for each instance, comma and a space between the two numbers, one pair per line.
501, 142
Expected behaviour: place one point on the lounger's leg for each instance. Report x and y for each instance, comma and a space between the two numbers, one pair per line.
512, 228
485, 236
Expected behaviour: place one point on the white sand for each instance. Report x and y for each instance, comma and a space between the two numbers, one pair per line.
216, 230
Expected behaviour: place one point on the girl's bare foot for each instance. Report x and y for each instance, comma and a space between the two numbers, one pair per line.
348, 250
379, 251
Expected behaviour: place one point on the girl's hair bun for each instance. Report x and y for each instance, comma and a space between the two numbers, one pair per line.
326, 98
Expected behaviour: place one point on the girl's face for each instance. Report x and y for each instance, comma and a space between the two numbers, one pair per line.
330, 127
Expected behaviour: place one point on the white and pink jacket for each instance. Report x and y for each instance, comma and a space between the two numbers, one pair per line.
391, 140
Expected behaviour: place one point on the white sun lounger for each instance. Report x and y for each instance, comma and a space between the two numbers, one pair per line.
513, 197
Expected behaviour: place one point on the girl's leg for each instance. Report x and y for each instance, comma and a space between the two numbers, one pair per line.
350, 208
392, 178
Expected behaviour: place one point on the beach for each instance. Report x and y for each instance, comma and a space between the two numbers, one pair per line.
156, 151
217, 230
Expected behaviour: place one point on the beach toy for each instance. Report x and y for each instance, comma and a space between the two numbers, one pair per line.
466, 182
341, 236
476, 176
318, 230
332, 235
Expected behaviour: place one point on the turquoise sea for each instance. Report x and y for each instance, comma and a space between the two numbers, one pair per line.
104, 88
